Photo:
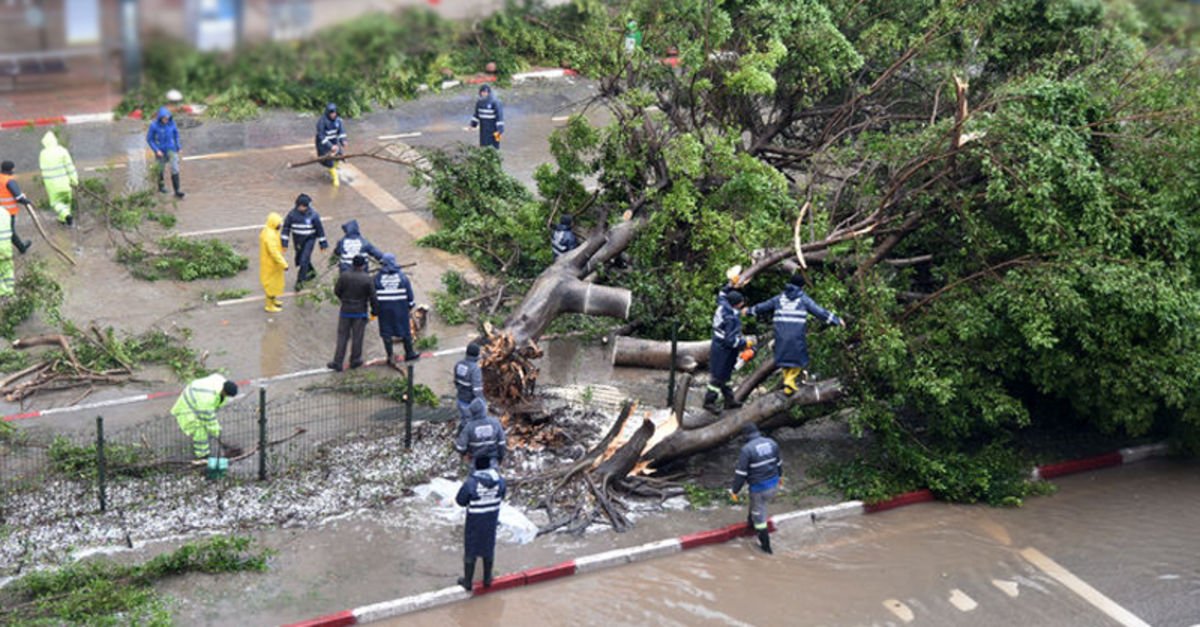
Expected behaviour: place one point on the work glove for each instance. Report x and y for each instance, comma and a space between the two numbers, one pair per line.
747, 354
496, 135
733, 497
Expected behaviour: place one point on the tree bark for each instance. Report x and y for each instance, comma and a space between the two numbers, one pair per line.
638, 353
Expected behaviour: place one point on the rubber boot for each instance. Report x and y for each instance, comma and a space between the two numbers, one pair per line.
333, 174
162, 187
764, 541
487, 573
789, 380
710, 401
175, 184
21, 245
730, 403
468, 575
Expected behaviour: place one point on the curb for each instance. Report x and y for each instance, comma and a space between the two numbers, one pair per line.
651, 550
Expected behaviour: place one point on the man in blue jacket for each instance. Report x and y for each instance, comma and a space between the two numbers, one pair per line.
482, 494
396, 299
563, 240
482, 436
331, 139
727, 342
468, 383
489, 118
758, 466
163, 139
303, 225
792, 309
353, 244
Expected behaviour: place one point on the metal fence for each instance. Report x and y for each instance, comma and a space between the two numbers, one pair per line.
261, 438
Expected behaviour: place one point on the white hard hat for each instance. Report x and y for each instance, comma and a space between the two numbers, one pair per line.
174, 96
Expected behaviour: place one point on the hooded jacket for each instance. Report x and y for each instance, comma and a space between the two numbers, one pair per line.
482, 494
792, 309
727, 339
353, 244
483, 435
163, 137
330, 133
489, 117
563, 240
396, 299
58, 170
271, 262
468, 380
758, 464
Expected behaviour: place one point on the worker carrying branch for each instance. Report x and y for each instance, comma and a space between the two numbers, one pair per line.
791, 309
196, 410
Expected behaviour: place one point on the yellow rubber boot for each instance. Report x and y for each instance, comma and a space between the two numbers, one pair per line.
333, 174
272, 306
789, 380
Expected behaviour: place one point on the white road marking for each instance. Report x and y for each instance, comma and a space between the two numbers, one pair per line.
399, 136
255, 299
234, 229
901, 610
1081, 588
964, 603
1011, 588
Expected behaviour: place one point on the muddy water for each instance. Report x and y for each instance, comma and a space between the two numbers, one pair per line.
1128, 533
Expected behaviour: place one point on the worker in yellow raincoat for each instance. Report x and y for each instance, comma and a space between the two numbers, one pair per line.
58, 175
272, 263
196, 410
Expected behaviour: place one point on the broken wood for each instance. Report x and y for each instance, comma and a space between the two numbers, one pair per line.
639, 353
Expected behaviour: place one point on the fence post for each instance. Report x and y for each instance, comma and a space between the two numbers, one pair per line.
101, 477
408, 408
262, 433
671, 376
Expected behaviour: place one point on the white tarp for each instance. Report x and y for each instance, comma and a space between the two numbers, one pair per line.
515, 528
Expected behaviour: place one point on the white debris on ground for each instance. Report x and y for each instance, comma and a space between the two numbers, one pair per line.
60, 520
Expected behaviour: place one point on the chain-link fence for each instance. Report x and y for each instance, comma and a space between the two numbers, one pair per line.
261, 437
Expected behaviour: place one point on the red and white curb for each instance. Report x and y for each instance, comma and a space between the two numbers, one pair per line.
139, 398
619, 557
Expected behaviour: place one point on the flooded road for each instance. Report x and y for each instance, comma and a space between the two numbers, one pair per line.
1112, 547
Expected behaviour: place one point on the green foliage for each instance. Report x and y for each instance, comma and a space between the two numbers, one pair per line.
446, 303
79, 462
104, 592
226, 294
12, 361
182, 259
427, 343
36, 290
369, 384
373, 60
700, 497
124, 212
485, 213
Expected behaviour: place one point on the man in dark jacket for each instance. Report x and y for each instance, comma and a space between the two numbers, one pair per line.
563, 240
482, 436
304, 225
396, 299
727, 342
353, 244
468, 383
331, 139
356, 291
489, 118
791, 309
758, 466
163, 139
482, 494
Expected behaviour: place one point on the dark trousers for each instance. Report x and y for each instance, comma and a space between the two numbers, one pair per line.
350, 330
304, 251
408, 347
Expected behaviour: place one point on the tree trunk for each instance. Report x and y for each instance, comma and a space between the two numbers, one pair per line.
685, 442
638, 353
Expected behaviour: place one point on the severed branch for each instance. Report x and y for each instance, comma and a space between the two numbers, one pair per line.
38, 223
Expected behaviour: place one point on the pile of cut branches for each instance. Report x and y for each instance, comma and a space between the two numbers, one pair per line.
509, 374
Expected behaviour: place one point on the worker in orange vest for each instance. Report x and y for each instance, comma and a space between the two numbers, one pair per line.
11, 197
